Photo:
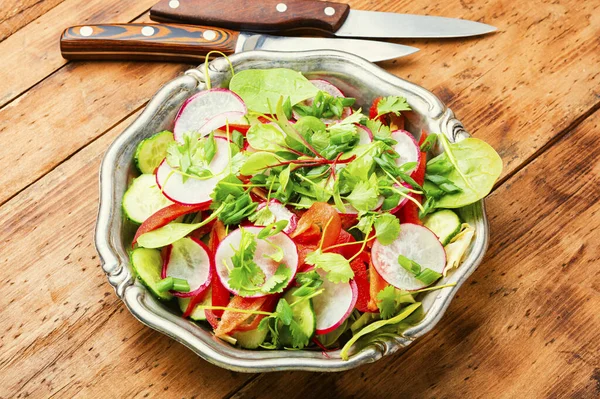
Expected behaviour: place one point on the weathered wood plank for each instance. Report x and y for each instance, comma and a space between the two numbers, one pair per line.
14, 14
63, 328
32, 53
526, 323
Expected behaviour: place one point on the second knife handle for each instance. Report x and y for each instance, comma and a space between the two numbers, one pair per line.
146, 42
253, 15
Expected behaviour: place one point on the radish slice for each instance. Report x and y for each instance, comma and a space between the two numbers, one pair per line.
281, 213
188, 259
207, 111
403, 200
417, 243
365, 135
327, 87
193, 191
231, 243
334, 305
407, 147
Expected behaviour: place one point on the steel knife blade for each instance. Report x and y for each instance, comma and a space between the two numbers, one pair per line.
188, 43
312, 16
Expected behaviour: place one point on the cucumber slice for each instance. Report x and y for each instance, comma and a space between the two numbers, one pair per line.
147, 264
143, 198
250, 339
445, 224
304, 314
151, 151
197, 314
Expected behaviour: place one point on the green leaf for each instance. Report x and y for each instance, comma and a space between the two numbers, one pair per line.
245, 277
236, 209
260, 88
266, 137
476, 167
284, 312
258, 162
278, 281
387, 228
337, 267
379, 130
364, 196
284, 178
210, 148
376, 325
429, 142
387, 302
299, 337
229, 185
392, 105
263, 216
272, 229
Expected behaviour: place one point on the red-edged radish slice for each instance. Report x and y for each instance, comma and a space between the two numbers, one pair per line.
231, 243
206, 111
417, 243
189, 259
281, 213
334, 305
407, 147
365, 135
403, 200
193, 191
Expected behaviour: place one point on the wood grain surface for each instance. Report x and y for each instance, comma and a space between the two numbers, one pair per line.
526, 323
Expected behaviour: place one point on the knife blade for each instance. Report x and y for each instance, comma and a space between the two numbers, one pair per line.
187, 43
312, 16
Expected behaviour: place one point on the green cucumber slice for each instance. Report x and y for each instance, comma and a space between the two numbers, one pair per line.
197, 314
250, 339
445, 224
151, 151
304, 314
147, 264
143, 198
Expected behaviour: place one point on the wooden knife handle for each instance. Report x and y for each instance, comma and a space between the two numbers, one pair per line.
145, 42
255, 15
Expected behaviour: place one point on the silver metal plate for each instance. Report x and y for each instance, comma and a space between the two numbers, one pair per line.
355, 77
377, 24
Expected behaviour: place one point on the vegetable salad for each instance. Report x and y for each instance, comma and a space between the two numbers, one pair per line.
283, 216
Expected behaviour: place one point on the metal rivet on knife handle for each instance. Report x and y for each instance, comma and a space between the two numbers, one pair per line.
86, 31
173, 4
281, 7
329, 11
147, 31
209, 34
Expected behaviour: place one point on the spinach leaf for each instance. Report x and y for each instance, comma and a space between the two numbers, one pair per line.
262, 88
477, 166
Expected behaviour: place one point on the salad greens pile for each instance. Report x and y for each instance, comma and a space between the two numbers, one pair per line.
290, 218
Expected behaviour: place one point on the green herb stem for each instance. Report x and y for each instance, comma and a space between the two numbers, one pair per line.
246, 311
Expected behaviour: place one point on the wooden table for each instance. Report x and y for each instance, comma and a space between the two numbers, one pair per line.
527, 322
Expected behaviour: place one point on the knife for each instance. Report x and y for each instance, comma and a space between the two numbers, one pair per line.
325, 17
187, 43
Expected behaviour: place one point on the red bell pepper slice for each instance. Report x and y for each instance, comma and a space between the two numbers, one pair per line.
243, 129
409, 213
165, 216
327, 221
347, 251
376, 284
303, 250
395, 122
220, 294
232, 319
373, 110
362, 284
268, 306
